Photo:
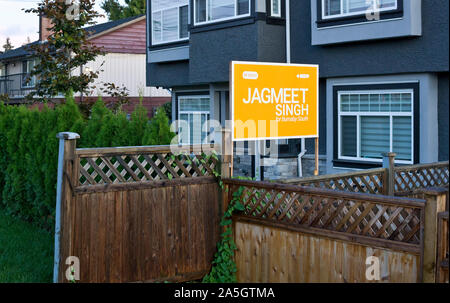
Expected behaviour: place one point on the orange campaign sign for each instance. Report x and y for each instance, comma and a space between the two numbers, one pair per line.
274, 101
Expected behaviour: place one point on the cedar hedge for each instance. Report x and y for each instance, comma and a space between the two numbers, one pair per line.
29, 149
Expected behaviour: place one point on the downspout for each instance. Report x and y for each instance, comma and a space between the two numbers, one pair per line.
288, 60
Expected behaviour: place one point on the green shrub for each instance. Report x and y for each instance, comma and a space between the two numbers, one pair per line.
158, 131
29, 149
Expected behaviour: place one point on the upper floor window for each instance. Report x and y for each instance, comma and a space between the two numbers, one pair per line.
27, 68
275, 8
207, 11
169, 21
344, 8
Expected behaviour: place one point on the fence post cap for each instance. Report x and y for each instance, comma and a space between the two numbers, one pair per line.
390, 154
67, 136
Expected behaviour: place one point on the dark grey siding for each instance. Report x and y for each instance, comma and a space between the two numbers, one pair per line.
271, 42
443, 113
309, 144
168, 74
211, 51
428, 53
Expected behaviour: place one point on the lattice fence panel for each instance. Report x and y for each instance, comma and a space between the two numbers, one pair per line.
113, 169
370, 183
408, 179
366, 218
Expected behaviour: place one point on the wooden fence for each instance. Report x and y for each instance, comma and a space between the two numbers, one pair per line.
289, 233
405, 179
138, 213
150, 213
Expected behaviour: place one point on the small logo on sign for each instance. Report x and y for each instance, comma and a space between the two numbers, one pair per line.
250, 75
303, 76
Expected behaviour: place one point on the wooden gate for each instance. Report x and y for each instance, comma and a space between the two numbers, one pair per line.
138, 213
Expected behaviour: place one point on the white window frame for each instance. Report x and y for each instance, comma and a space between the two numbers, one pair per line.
342, 14
178, 23
272, 14
383, 114
32, 82
180, 112
236, 16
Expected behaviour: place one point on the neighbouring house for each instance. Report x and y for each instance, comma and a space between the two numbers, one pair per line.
383, 85
124, 44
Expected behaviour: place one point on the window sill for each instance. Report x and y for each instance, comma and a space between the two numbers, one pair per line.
170, 54
357, 19
355, 164
169, 45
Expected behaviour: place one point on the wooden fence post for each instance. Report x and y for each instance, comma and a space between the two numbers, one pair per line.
436, 200
227, 164
65, 183
389, 177
227, 154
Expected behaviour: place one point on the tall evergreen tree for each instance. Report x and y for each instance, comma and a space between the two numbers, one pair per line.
8, 46
116, 11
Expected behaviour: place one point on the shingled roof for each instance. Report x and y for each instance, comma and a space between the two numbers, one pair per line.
102, 27
24, 50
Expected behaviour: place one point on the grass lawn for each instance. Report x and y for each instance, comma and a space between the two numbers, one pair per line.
26, 252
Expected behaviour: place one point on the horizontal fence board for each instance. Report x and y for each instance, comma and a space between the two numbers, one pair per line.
309, 259
143, 185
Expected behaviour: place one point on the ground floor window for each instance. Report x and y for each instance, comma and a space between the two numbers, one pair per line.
193, 114
376, 121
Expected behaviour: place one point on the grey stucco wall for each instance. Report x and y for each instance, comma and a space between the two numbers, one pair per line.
408, 25
443, 119
427, 53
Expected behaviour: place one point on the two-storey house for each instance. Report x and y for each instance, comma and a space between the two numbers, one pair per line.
123, 63
384, 69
